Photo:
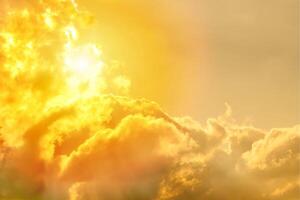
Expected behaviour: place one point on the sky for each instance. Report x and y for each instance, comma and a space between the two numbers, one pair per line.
162, 100
193, 56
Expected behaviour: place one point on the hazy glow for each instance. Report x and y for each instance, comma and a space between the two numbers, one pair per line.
70, 130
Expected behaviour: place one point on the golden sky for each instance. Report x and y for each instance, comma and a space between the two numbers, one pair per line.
204, 53
162, 100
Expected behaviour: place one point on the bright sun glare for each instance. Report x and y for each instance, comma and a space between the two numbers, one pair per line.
83, 64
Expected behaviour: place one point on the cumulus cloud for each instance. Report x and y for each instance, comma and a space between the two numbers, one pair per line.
257, 172
132, 149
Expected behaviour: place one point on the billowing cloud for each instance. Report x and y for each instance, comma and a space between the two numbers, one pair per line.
132, 149
249, 164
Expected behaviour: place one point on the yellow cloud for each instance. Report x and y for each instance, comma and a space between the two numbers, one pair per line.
133, 149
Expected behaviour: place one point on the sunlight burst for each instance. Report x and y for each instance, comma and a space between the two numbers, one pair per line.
83, 65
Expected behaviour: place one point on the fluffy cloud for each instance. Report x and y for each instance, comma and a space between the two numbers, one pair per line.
120, 148
257, 172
